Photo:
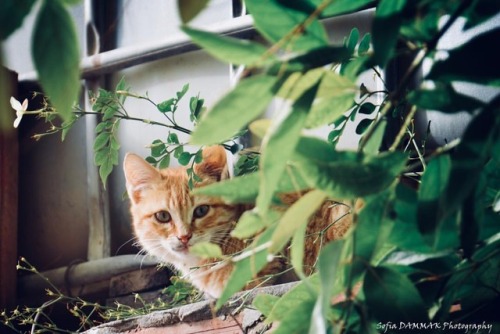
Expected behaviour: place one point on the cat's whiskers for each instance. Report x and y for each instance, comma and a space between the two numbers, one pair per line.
168, 191
125, 243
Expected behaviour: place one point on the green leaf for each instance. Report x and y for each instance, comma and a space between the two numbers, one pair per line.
434, 183
164, 162
105, 169
198, 157
151, 160
178, 151
391, 296
350, 174
245, 188
297, 247
100, 157
259, 127
275, 19
474, 283
12, 14
188, 9
339, 7
470, 157
295, 85
371, 232
386, 25
335, 97
375, 141
279, 144
352, 40
58, 71
242, 189
101, 140
182, 92
251, 95
72, 2
166, 106
364, 45
172, 138
229, 49
297, 320
470, 217
407, 235
367, 108
423, 28
295, 217
312, 59
101, 126
265, 303
184, 158
250, 224
363, 125
328, 268
158, 148
457, 66
390, 7
444, 98
195, 107
304, 293
247, 267
206, 250
67, 125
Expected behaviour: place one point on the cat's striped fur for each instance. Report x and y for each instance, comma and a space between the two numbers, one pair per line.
168, 219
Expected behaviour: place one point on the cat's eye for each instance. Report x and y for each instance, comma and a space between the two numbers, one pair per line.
201, 211
163, 217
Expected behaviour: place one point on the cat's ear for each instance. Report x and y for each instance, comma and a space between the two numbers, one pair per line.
139, 174
214, 164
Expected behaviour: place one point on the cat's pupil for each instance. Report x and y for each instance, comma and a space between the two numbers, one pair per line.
201, 211
163, 216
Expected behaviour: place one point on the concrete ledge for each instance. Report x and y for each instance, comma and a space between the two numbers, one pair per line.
199, 317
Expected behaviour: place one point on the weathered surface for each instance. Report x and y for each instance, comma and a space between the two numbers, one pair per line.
199, 317
138, 280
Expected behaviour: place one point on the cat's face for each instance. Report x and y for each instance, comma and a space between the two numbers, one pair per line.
167, 218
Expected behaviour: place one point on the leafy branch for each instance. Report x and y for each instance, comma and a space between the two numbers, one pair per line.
90, 314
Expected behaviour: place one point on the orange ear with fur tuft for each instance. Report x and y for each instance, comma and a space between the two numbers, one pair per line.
214, 164
138, 174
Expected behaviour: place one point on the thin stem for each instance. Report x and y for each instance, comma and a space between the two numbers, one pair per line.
403, 128
440, 150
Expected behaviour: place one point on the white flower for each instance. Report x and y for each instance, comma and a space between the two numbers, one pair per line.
19, 108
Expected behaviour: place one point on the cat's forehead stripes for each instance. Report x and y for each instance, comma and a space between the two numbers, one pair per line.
174, 183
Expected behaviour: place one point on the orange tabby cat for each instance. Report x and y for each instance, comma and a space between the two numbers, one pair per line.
168, 219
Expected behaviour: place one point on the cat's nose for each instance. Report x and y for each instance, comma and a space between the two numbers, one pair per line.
185, 238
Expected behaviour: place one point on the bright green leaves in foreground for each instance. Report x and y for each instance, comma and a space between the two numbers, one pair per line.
235, 110
335, 96
247, 265
347, 174
392, 297
227, 49
277, 20
386, 25
56, 56
279, 144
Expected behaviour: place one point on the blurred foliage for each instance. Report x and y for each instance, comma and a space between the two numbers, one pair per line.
417, 254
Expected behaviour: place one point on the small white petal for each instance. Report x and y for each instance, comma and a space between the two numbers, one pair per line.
15, 104
25, 105
17, 121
